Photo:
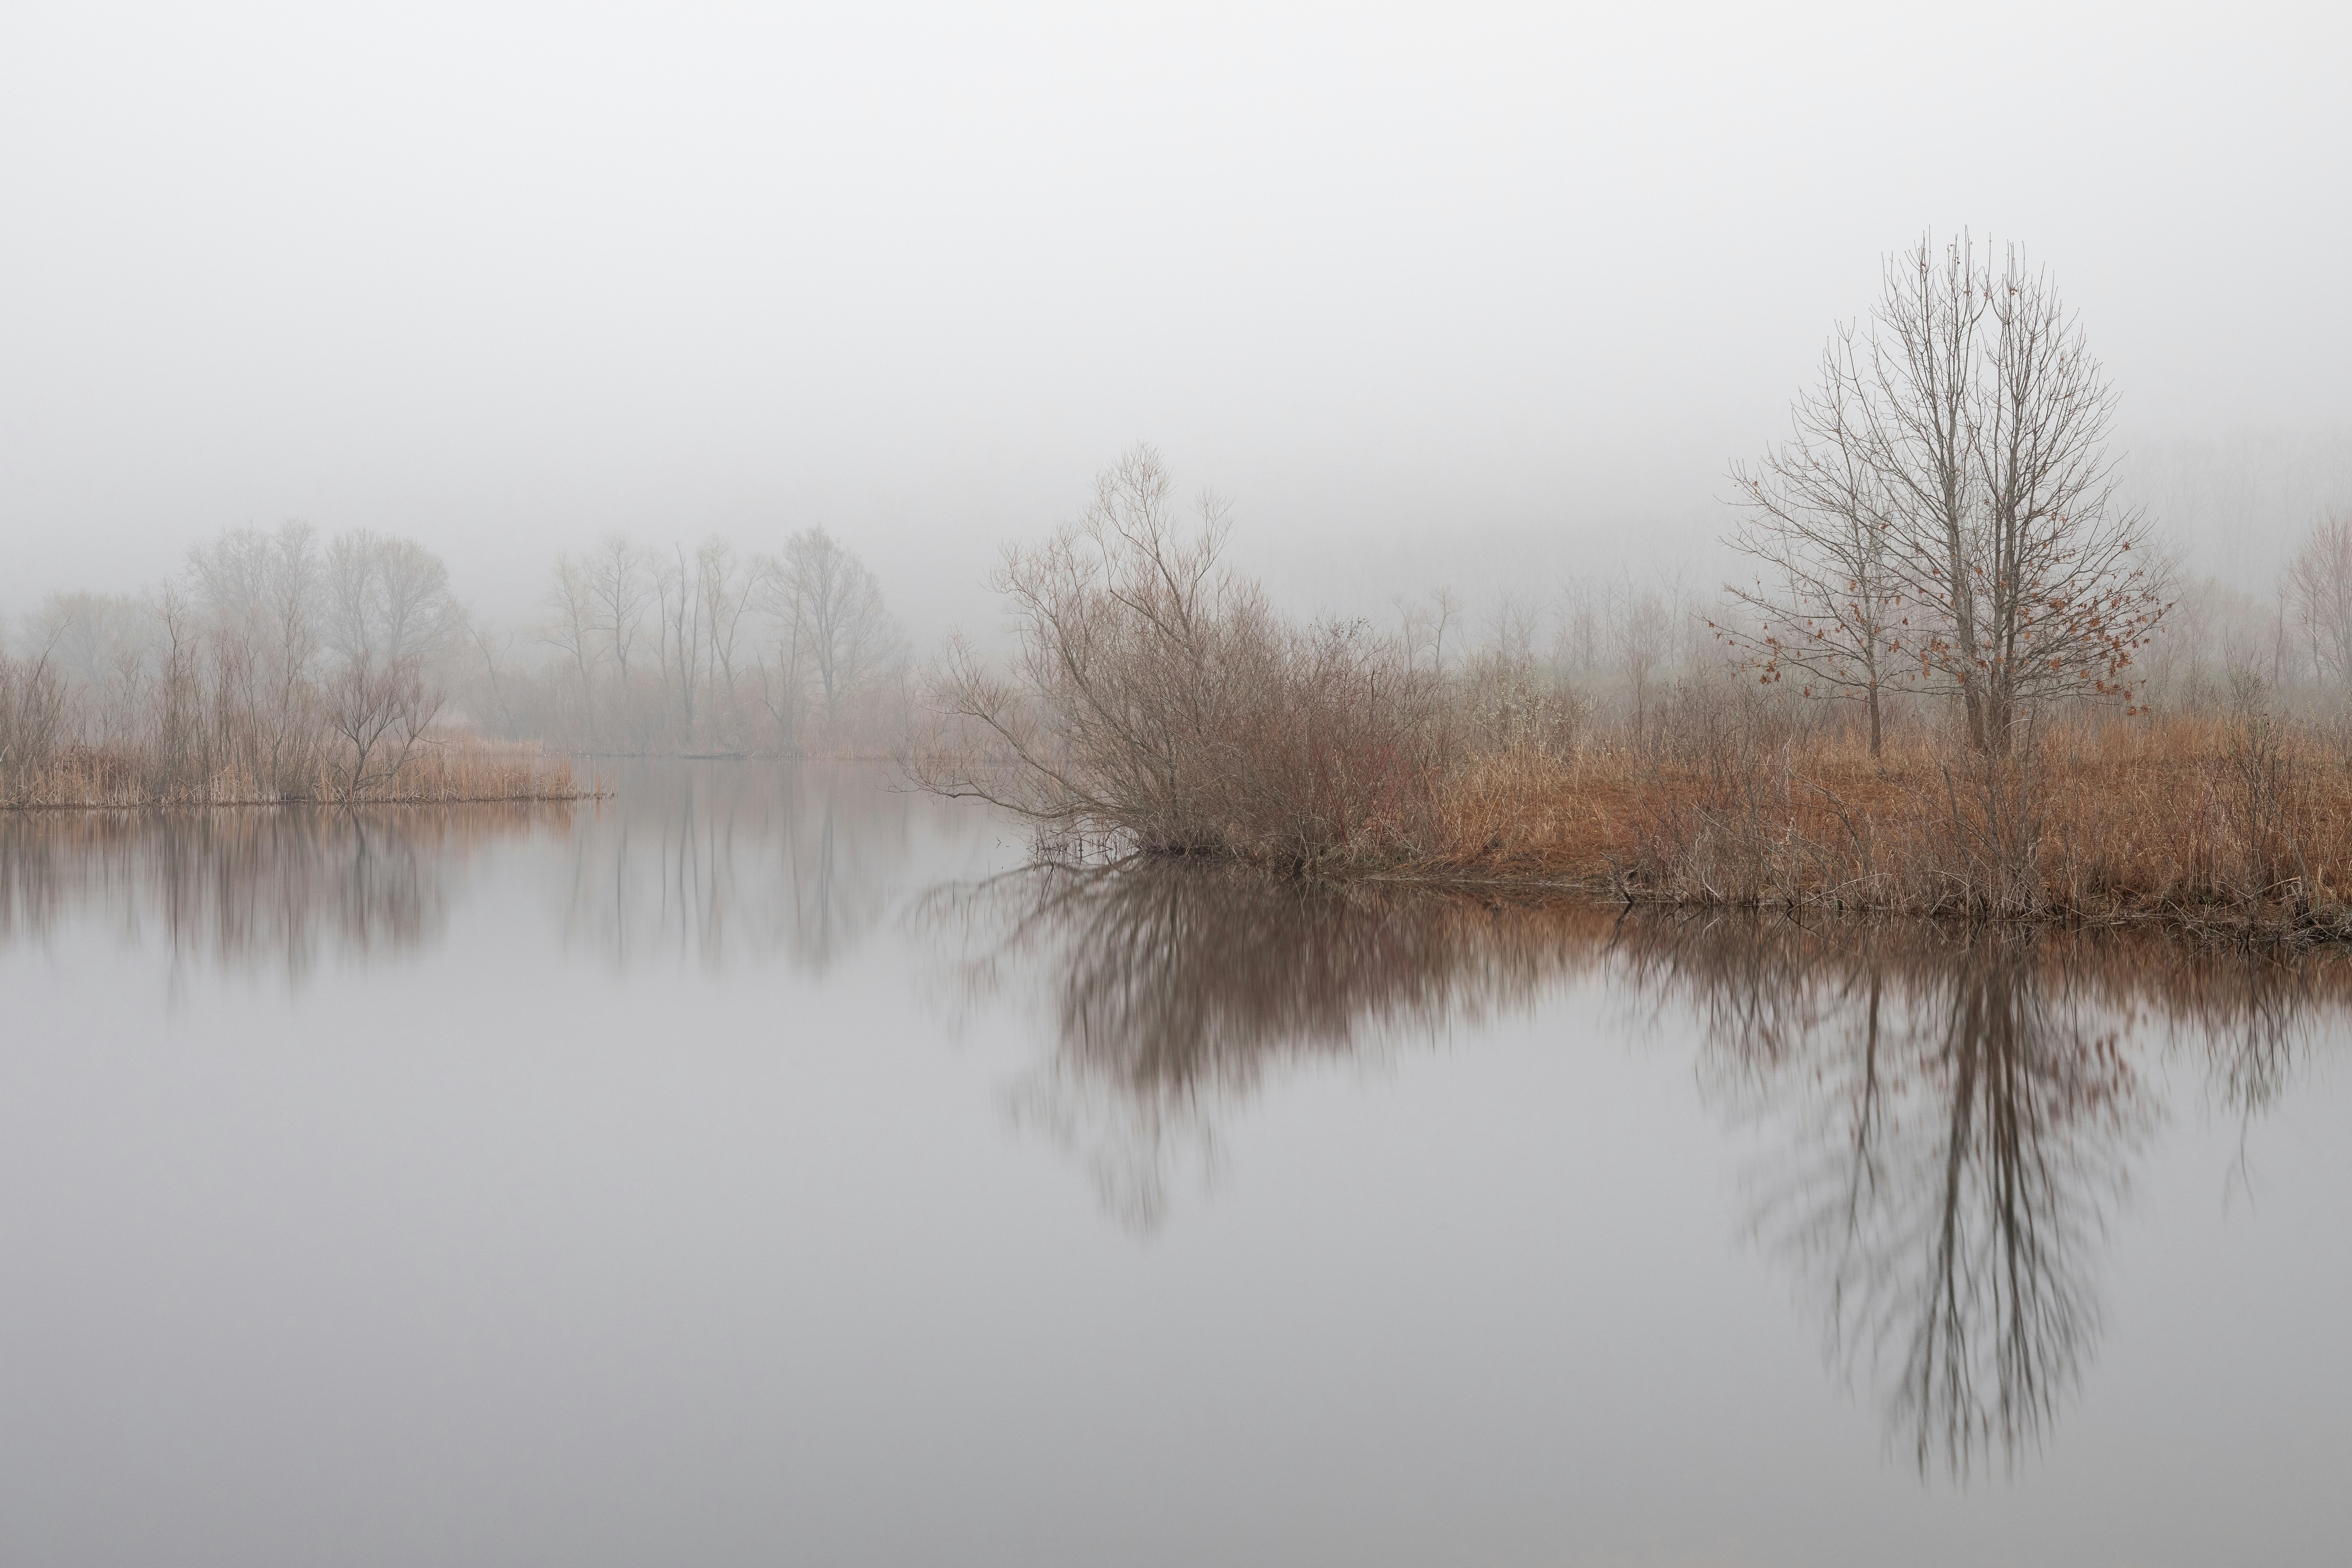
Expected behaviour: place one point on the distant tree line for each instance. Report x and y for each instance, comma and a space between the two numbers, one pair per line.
644, 650
283, 664
274, 667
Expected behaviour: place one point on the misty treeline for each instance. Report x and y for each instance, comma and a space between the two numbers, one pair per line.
1960, 678
703, 650
285, 666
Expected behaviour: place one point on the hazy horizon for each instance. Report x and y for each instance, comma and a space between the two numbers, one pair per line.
1474, 297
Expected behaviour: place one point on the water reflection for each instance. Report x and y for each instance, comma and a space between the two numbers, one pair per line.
272, 889
701, 863
1175, 992
1948, 1123
1950, 1119
706, 862
1958, 1117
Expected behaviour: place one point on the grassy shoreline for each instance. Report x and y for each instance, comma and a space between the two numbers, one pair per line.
447, 773
2236, 828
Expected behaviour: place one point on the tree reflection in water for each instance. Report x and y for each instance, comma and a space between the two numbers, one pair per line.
1952, 1115
255, 889
702, 862
1960, 1113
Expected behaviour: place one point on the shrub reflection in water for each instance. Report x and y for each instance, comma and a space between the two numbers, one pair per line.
1950, 1115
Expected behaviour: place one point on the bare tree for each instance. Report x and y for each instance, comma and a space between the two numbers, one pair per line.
491, 646
1825, 601
2318, 593
1584, 617
1424, 626
1986, 421
570, 628
1156, 703
387, 599
1514, 628
105, 649
1642, 636
265, 598
1134, 644
829, 611
728, 589
32, 700
1947, 508
617, 590
679, 593
181, 755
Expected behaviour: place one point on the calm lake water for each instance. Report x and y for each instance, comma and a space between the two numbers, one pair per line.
761, 1167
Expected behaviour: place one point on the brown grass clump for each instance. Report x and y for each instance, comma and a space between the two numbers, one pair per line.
2232, 822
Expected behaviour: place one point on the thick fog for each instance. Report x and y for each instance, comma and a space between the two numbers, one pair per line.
1443, 293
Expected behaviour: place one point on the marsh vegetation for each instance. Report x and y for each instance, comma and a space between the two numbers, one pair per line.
1959, 676
1953, 685
272, 670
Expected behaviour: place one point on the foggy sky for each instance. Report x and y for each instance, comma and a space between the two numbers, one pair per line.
1442, 292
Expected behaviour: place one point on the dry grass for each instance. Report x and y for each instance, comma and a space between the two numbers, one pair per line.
2201, 821
445, 773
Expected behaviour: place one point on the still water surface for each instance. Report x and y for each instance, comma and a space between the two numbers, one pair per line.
761, 1167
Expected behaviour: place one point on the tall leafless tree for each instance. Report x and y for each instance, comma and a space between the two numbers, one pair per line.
618, 591
1425, 624
1640, 627
684, 612
829, 614
728, 586
265, 598
2318, 592
1969, 419
1825, 602
387, 600
1989, 423
105, 647
571, 629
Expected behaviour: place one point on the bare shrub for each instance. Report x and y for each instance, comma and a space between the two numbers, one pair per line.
1156, 702
32, 719
378, 713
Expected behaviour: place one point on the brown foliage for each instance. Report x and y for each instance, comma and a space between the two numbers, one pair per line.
2241, 822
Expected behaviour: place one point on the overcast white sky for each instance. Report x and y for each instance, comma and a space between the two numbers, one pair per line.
1475, 293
